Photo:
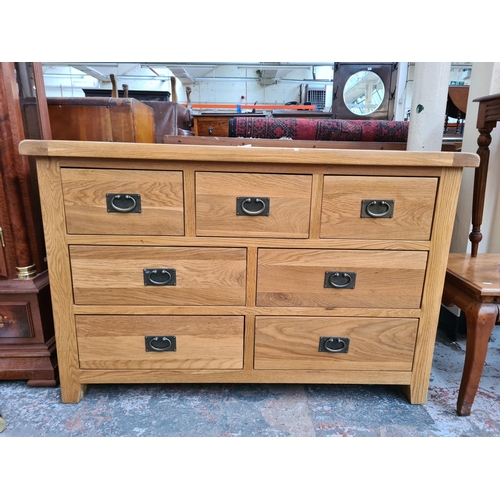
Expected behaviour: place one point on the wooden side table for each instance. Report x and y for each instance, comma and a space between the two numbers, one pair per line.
473, 285
472, 280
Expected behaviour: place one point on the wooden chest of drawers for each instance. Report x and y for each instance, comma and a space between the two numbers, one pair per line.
176, 263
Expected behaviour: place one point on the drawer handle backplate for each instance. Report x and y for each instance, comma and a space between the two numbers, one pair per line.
127, 203
377, 209
160, 343
334, 344
340, 279
160, 277
252, 206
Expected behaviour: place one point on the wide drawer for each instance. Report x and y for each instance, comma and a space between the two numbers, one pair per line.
340, 278
399, 208
200, 342
253, 205
158, 275
100, 201
294, 343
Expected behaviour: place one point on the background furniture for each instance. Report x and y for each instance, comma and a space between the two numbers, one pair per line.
180, 264
27, 342
473, 280
101, 119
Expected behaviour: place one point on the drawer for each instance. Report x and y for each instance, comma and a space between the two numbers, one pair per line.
96, 202
201, 342
399, 208
222, 209
366, 278
212, 126
110, 275
293, 343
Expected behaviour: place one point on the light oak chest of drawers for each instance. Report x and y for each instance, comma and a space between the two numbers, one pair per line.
183, 264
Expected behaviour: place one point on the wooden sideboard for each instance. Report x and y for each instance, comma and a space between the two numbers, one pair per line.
222, 264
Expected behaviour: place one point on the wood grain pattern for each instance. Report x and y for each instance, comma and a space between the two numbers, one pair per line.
375, 344
289, 204
60, 279
85, 201
269, 281
118, 342
479, 276
114, 275
306, 156
295, 278
413, 197
446, 204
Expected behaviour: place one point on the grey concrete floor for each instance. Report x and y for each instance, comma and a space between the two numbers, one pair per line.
246, 410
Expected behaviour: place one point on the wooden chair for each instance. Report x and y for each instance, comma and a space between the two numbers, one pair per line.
472, 281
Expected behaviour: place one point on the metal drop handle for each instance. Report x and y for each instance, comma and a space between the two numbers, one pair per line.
253, 212
164, 271
161, 343
337, 341
163, 339
338, 275
127, 197
373, 214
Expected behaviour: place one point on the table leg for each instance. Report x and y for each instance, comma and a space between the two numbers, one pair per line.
480, 320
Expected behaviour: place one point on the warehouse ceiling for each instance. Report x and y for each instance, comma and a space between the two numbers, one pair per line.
187, 72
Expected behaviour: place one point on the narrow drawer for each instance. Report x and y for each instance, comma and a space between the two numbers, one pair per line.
129, 202
316, 343
132, 275
340, 278
399, 208
184, 342
253, 205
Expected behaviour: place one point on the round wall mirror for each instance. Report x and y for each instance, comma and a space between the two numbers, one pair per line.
363, 93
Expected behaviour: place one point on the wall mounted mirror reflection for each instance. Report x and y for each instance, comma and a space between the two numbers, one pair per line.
364, 93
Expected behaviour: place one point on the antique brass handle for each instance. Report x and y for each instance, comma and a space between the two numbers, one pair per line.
127, 197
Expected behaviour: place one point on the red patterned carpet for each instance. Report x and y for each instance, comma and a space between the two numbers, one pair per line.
319, 130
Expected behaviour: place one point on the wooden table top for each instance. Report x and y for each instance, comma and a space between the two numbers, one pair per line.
479, 275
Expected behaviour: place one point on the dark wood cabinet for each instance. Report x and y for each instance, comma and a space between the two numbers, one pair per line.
27, 344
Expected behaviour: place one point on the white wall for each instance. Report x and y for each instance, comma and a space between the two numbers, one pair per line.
485, 80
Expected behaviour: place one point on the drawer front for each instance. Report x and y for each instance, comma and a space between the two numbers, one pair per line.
356, 278
399, 208
222, 208
212, 126
293, 343
110, 275
129, 202
201, 342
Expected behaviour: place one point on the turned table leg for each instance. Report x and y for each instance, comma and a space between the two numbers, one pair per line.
480, 320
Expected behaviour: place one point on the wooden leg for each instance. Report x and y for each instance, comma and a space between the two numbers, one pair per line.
480, 319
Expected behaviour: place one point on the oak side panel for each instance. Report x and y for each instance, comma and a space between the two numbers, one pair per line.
54, 223
446, 204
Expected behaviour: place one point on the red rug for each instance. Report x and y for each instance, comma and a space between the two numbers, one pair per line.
318, 130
